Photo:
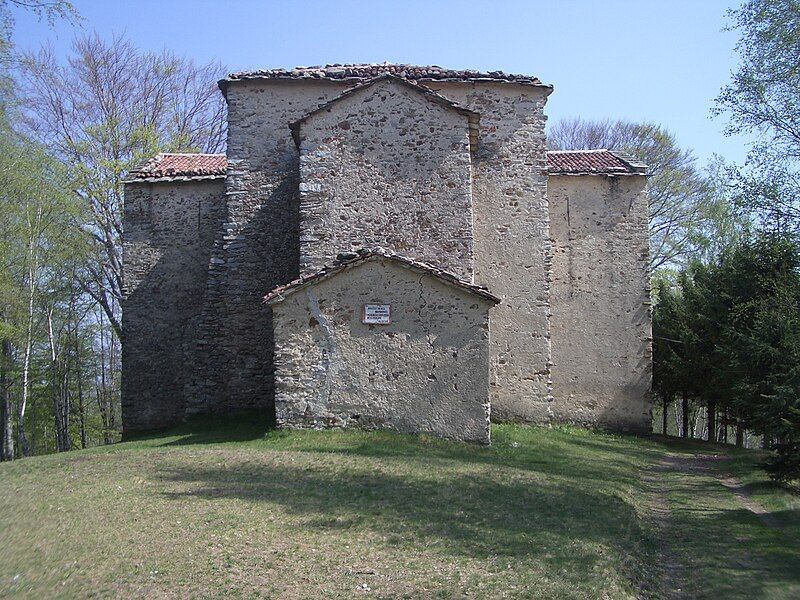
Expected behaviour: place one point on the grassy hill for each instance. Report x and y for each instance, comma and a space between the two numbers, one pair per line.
224, 510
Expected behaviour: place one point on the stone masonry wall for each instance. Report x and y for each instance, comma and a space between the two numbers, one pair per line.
169, 229
511, 246
600, 327
387, 167
426, 372
256, 247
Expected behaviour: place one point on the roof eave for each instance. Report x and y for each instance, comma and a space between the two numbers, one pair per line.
225, 82
594, 174
174, 179
283, 292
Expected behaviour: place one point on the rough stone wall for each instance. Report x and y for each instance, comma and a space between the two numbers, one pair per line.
511, 239
387, 167
169, 230
600, 325
256, 247
426, 372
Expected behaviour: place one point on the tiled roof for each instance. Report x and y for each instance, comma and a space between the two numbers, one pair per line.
368, 71
173, 166
592, 162
169, 166
349, 260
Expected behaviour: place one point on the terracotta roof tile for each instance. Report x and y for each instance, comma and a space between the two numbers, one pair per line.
348, 260
171, 166
592, 162
368, 71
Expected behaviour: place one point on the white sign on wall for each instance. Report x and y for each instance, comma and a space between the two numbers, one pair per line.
377, 314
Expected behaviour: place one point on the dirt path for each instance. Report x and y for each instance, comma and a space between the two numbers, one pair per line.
672, 574
741, 492
703, 467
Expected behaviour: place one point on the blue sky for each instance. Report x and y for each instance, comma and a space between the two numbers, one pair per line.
658, 60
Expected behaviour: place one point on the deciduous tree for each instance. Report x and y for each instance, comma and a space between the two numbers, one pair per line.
680, 196
104, 112
762, 101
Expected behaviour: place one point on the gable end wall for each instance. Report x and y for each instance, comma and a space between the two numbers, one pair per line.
426, 372
387, 167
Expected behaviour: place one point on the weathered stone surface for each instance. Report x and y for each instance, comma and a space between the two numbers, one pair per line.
600, 324
256, 248
386, 166
511, 245
168, 238
428, 371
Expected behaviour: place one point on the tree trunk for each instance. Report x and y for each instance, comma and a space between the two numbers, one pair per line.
113, 357
7, 436
711, 418
725, 420
739, 435
685, 415
766, 442
34, 242
665, 406
24, 445
102, 392
59, 379
79, 375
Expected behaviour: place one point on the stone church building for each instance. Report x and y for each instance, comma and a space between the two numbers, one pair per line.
387, 246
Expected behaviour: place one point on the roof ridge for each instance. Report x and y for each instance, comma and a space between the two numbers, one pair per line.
179, 166
586, 151
597, 161
191, 154
426, 92
355, 71
346, 260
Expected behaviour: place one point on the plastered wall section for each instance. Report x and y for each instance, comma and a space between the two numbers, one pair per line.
387, 167
256, 246
427, 372
169, 230
601, 320
511, 239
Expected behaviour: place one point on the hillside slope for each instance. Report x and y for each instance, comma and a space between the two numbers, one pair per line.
226, 511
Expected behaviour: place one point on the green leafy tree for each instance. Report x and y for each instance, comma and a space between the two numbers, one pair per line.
727, 335
763, 101
679, 194
669, 344
761, 279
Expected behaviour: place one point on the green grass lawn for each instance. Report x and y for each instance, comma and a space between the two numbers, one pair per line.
224, 510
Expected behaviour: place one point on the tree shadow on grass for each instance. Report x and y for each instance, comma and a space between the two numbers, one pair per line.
531, 449
212, 429
734, 554
556, 499
572, 530
560, 453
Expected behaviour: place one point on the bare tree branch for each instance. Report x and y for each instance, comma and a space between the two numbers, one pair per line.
105, 112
